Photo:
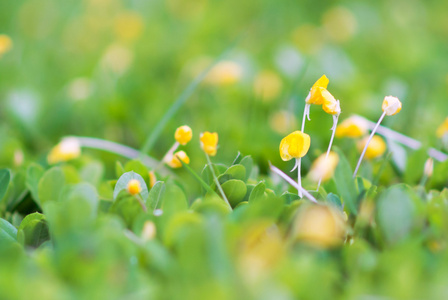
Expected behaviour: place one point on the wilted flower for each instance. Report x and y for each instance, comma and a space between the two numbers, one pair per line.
69, 148
183, 134
319, 225
315, 94
376, 147
209, 142
391, 105
442, 130
352, 127
5, 44
323, 167
330, 105
295, 145
134, 187
174, 161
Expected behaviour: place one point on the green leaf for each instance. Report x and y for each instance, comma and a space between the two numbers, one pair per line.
173, 200
92, 173
33, 230
235, 191
8, 233
138, 167
207, 175
123, 181
334, 199
289, 197
345, 184
127, 207
51, 185
204, 184
395, 213
5, 177
248, 164
236, 172
155, 195
33, 176
237, 159
258, 193
119, 169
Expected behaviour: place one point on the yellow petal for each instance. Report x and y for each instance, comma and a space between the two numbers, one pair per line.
330, 105
376, 147
352, 127
321, 82
183, 134
174, 161
209, 142
295, 145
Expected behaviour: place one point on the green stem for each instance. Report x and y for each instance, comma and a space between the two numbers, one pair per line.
216, 180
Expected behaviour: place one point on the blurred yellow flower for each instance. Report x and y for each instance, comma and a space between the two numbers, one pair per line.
323, 167
225, 73
69, 148
152, 179
134, 187
283, 121
352, 127
315, 94
128, 26
267, 86
148, 231
339, 24
330, 105
442, 130
295, 145
391, 105
308, 38
319, 225
183, 134
376, 147
5, 44
209, 142
174, 162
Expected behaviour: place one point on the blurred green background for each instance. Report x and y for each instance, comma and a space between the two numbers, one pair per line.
111, 69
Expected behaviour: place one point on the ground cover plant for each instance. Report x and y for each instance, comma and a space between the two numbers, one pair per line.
194, 180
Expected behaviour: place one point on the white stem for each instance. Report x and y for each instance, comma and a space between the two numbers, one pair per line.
333, 129
405, 140
292, 182
367, 144
306, 113
299, 177
116, 148
216, 180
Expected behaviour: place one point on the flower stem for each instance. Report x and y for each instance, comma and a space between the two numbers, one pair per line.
292, 182
335, 124
367, 144
216, 180
299, 161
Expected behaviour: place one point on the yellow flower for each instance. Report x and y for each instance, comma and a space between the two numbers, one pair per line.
295, 145
267, 86
209, 142
391, 105
323, 167
152, 178
319, 225
5, 44
315, 94
443, 129
376, 147
225, 73
134, 187
330, 105
352, 127
183, 134
69, 148
174, 162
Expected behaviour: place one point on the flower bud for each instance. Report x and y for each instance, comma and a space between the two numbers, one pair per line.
134, 187
174, 162
183, 134
391, 105
209, 142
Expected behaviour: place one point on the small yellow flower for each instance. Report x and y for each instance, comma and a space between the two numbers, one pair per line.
5, 44
320, 226
134, 187
69, 148
323, 167
183, 134
209, 142
295, 145
376, 147
225, 73
315, 94
391, 105
330, 105
443, 129
152, 178
352, 127
174, 161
